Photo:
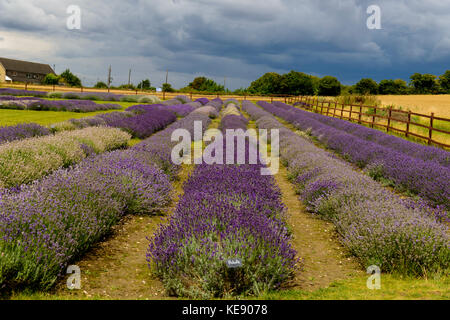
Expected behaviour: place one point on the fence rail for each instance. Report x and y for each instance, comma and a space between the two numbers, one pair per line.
379, 117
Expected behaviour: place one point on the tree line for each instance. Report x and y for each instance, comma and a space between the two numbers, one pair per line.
291, 83
298, 83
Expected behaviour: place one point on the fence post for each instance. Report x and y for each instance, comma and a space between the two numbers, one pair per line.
191, 95
26, 85
342, 111
321, 108
164, 95
407, 124
373, 117
389, 119
360, 113
335, 108
328, 108
350, 116
430, 134
136, 91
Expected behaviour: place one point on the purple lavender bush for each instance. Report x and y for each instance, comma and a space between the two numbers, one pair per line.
181, 110
375, 224
22, 131
203, 101
18, 92
38, 104
226, 212
426, 153
426, 178
144, 124
51, 223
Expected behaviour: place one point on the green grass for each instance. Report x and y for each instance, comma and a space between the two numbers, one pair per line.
392, 288
13, 117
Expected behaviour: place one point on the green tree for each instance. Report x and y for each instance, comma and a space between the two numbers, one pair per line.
70, 79
329, 86
51, 79
167, 87
296, 83
424, 83
269, 83
101, 85
397, 86
144, 84
366, 86
444, 82
204, 84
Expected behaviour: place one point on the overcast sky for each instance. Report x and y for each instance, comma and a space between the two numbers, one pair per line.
237, 39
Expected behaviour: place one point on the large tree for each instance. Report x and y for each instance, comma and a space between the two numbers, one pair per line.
101, 85
329, 86
70, 79
444, 81
296, 83
269, 83
397, 86
206, 85
366, 86
424, 83
144, 84
167, 87
51, 79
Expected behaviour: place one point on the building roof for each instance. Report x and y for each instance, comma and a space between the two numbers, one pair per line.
25, 66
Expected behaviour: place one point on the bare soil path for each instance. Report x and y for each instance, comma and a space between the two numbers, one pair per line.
116, 268
325, 260
316, 241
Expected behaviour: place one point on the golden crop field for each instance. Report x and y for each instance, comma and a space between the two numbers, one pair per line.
439, 104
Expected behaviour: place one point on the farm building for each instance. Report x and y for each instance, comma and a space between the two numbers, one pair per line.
23, 71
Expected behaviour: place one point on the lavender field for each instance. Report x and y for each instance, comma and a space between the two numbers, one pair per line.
77, 193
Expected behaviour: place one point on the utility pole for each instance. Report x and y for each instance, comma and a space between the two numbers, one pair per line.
167, 76
129, 77
109, 77
225, 84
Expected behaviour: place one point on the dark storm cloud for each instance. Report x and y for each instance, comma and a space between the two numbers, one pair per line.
234, 38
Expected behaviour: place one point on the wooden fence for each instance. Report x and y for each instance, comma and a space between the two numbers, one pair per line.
380, 117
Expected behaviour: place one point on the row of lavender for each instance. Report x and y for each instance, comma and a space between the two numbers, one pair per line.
228, 212
427, 178
98, 96
375, 224
38, 104
412, 149
135, 120
26, 160
52, 222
